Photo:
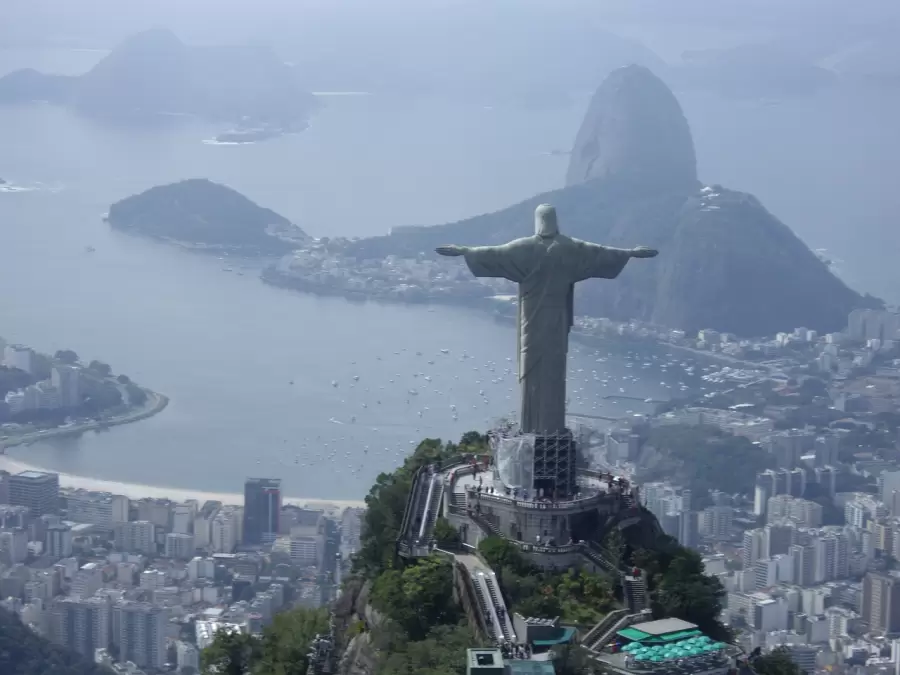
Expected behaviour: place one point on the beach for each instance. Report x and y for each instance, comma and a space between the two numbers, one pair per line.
136, 491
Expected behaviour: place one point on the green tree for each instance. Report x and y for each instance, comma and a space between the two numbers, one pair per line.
500, 553
286, 641
66, 356
417, 598
679, 587
776, 662
616, 547
41, 366
230, 654
446, 535
386, 503
441, 652
100, 368
136, 395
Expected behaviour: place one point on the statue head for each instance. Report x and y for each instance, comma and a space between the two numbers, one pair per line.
545, 221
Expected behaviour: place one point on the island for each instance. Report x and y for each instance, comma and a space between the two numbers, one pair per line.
43, 396
154, 74
203, 215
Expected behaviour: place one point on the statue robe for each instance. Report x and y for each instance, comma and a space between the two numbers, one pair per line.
546, 270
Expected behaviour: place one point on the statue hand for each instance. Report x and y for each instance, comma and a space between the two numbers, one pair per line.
451, 250
644, 252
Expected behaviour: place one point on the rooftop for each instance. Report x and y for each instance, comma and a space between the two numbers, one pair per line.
485, 658
663, 626
33, 474
530, 667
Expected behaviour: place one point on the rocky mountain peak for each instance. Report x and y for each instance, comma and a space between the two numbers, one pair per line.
634, 129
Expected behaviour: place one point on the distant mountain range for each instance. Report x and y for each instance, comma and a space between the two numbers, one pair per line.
725, 263
154, 73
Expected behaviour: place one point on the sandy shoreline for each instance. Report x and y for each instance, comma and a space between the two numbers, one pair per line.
137, 491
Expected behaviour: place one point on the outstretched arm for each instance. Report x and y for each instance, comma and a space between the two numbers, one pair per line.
451, 250
644, 252
508, 261
605, 262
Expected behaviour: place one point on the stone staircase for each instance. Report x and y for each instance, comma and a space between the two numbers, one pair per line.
458, 502
595, 553
635, 590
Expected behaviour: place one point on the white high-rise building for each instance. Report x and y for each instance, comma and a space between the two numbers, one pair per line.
188, 656
103, 509
716, 522
14, 545
201, 568
67, 380
179, 546
136, 537
224, 532
18, 356
58, 542
832, 557
141, 633
754, 547
203, 523
86, 581
82, 624
184, 516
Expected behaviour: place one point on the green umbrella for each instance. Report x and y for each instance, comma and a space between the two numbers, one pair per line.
631, 647
656, 659
641, 657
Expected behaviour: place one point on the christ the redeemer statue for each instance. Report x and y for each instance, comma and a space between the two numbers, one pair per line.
546, 267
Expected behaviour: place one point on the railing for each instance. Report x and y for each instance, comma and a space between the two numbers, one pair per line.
425, 514
551, 550
490, 579
483, 606
410, 502
484, 523
596, 553
584, 502
604, 634
591, 638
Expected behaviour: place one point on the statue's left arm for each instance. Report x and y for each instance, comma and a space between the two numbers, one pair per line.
593, 261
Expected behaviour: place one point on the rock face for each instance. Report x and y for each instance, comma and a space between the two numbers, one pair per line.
725, 262
201, 212
634, 128
155, 73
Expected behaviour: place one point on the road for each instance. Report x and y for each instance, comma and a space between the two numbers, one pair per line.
155, 403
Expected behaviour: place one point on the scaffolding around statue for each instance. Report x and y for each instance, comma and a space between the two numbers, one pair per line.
542, 463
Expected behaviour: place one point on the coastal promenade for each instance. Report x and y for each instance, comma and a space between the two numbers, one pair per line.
155, 403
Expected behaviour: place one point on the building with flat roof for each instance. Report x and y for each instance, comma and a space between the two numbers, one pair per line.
37, 490
262, 510
488, 661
